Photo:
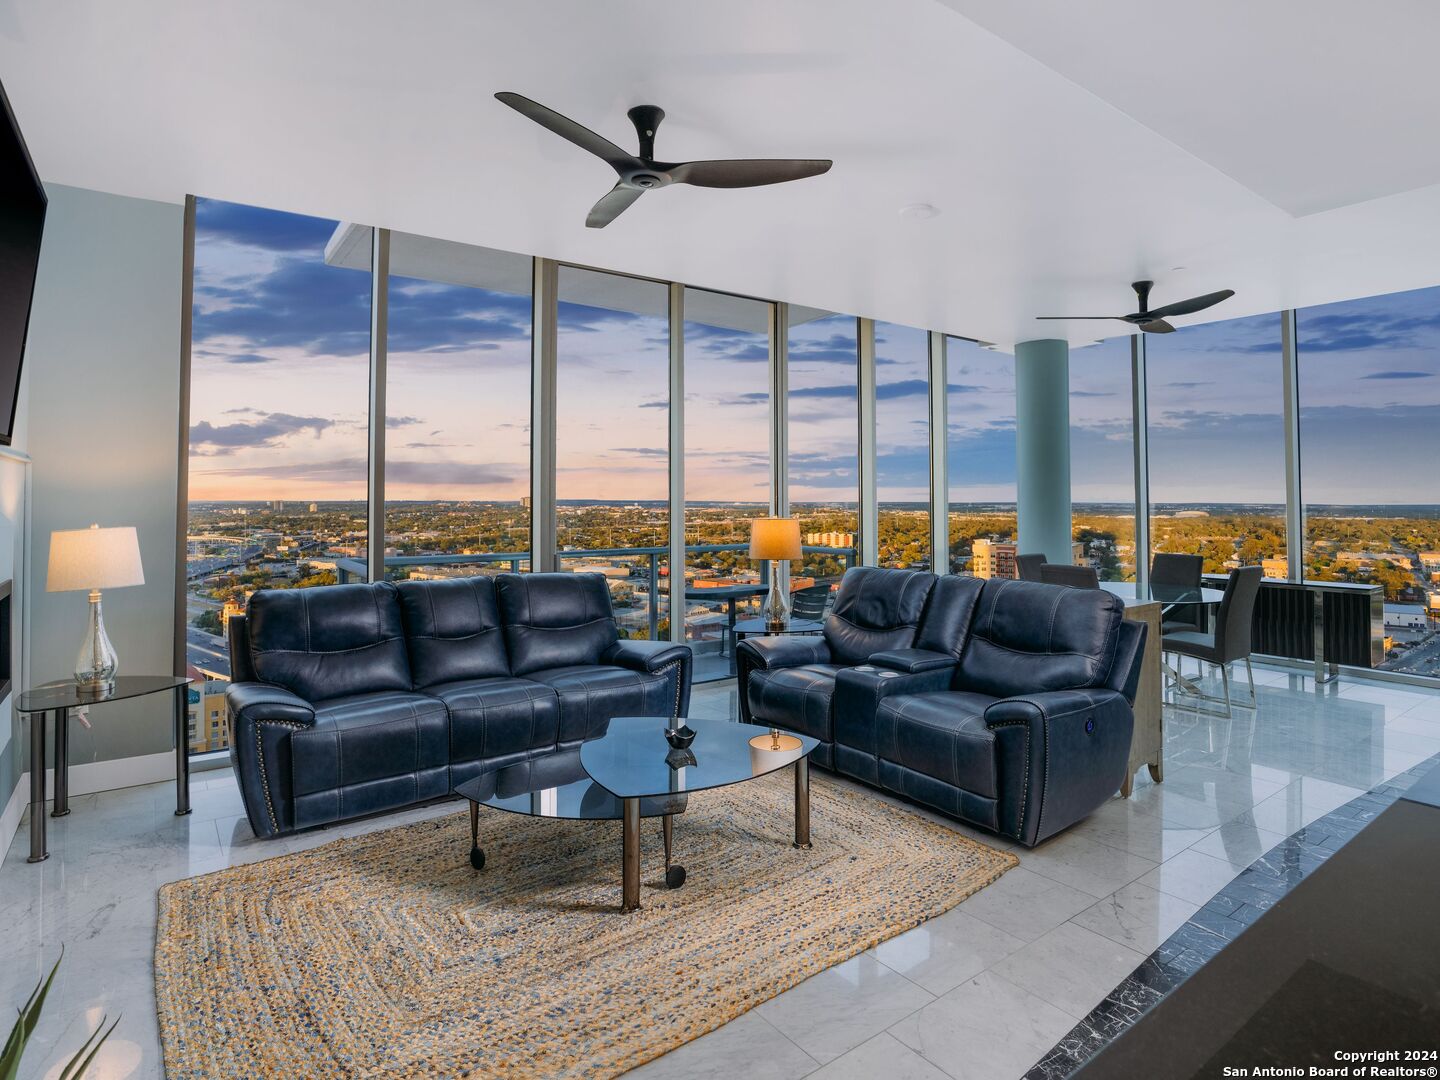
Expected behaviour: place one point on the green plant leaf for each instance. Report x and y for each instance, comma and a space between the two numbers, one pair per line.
75, 1068
25, 1025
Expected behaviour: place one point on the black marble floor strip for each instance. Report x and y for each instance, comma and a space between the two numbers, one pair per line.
1219, 922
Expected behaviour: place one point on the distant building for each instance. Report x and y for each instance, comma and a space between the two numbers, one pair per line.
233, 608
830, 539
1275, 568
208, 726
277, 504
1191, 513
314, 507
1405, 617
524, 502
1430, 560
989, 559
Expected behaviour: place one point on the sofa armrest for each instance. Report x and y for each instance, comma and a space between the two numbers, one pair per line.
1059, 755
858, 694
784, 651
771, 654
255, 702
263, 716
647, 656
913, 660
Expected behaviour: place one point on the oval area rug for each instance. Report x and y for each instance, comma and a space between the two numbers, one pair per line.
386, 955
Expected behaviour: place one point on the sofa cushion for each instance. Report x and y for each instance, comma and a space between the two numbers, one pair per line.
949, 614
452, 629
502, 719
555, 620
875, 610
942, 736
591, 695
1028, 637
330, 641
797, 699
367, 737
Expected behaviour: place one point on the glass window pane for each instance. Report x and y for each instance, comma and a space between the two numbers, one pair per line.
457, 440
980, 454
612, 481
902, 444
1217, 443
279, 402
727, 468
1102, 458
824, 465
1369, 441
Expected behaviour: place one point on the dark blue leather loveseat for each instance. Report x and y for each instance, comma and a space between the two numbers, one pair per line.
1006, 704
351, 699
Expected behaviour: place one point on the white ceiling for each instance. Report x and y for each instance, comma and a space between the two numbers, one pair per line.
1070, 147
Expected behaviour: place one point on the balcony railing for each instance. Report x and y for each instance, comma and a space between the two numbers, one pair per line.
646, 568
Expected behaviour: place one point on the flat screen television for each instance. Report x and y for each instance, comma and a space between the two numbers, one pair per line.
22, 220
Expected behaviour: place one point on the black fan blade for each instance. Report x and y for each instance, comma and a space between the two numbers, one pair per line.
1069, 318
754, 172
1189, 307
566, 128
615, 202
1156, 326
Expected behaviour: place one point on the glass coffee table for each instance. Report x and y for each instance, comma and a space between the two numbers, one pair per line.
631, 772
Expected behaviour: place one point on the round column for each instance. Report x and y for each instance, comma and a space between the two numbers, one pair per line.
1042, 445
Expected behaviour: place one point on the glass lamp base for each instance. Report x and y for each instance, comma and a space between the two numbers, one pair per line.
96, 663
777, 605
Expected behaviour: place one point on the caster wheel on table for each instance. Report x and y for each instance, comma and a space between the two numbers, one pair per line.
477, 858
674, 877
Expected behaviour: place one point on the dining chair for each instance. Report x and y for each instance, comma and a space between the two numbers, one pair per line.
1027, 567
1230, 641
1168, 568
1077, 577
810, 603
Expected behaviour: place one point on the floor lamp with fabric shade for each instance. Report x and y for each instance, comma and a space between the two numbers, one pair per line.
94, 559
776, 539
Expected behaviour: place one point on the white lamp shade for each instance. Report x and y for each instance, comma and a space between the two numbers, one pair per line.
94, 558
775, 538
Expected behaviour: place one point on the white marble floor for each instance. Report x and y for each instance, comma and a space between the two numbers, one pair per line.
981, 992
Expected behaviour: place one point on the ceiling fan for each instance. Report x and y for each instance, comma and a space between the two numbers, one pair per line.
640, 173
1153, 322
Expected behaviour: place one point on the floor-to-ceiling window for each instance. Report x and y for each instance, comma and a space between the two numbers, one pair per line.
612, 439
279, 424
457, 439
1102, 458
980, 453
1217, 443
902, 444
1369, 384
727, 466
823, 435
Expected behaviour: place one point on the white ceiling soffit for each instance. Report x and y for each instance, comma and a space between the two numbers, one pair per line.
1312, 104
1052, 197
428, 259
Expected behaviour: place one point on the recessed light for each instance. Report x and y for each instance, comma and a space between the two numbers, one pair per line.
1175, 268
920, 211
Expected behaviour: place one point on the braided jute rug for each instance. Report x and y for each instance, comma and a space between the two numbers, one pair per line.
386, 955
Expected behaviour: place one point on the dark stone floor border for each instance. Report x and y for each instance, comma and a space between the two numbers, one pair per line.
1219, 922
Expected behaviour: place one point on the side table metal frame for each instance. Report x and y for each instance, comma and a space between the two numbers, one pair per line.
38, 720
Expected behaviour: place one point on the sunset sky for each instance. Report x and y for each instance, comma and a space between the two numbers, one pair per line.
279, 395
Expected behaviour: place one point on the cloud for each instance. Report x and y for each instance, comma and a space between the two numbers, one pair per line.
1092, 393
268, 431
272, 230
642, 451
401, 421
399, 471
1399, 375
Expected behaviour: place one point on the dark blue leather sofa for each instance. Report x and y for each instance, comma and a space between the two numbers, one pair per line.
1006, 704
352, 699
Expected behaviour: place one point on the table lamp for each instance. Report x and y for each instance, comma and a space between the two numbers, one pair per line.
778, 540
94, 559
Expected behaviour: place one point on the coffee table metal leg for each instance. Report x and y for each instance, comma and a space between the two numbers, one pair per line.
182, 750
630, 855
802, 803
674, 874
477, 857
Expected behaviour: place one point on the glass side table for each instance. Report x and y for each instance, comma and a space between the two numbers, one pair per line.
59, 698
